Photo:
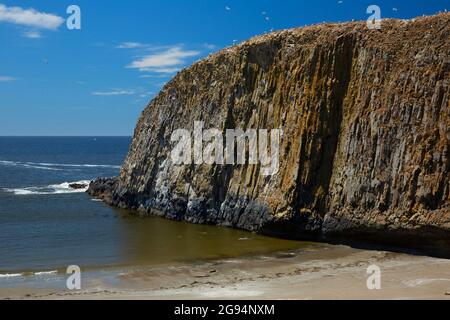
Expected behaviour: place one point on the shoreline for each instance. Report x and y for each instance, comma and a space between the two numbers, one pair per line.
421, 240
336, 272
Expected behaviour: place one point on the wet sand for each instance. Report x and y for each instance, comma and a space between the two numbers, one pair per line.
335, 272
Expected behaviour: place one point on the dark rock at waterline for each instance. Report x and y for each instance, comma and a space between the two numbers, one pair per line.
102, 188
78, 186
365, 153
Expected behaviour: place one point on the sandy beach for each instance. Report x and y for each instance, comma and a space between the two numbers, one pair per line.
336, 272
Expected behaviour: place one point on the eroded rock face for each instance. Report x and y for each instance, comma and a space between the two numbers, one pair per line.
365, 152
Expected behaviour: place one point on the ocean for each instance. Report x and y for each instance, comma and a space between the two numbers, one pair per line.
45, 226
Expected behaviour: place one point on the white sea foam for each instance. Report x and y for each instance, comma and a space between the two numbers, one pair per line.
11, 163
11, 275
45, 273
27, 165
37, 274
76, 165
54, 166
51, 189
41, 168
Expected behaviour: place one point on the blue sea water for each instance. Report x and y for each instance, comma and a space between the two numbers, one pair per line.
46, 226
44, 223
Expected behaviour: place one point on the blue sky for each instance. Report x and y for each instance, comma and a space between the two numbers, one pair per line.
97, 80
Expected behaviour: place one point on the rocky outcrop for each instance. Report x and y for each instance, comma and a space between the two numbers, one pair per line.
78, 186
365, 152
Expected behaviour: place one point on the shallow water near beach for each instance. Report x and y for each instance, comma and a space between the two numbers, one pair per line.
46, 226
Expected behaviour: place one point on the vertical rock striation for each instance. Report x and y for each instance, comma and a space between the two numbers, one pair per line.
365, 152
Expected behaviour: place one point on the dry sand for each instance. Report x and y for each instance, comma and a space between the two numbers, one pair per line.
336, 272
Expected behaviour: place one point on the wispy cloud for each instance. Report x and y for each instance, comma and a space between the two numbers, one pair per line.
30, 18
131, 45
114, 92
155, 76
167, 61
146, 94
32, 34
7, 79
162, 70
210, 46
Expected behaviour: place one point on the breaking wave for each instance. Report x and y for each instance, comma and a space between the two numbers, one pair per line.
50, 189
26, 274
11, 275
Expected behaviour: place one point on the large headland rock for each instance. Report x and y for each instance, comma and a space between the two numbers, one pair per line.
365, 152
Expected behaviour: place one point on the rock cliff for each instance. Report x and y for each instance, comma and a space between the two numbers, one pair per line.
365, 151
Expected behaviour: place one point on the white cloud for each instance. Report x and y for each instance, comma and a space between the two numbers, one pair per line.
30, 18
115, 92
32, 34
167, 61
6, 79
131, 45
